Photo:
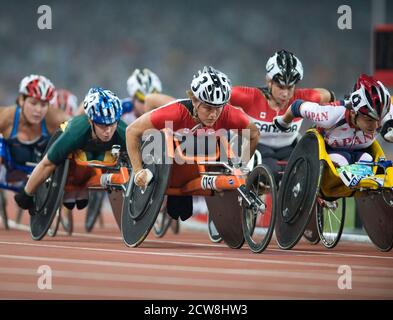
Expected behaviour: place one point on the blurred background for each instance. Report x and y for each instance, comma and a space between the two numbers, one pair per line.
101, 42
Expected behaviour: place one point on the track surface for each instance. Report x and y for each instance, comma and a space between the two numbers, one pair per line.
184, 266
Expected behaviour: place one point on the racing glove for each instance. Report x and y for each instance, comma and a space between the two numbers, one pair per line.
281, 124
387, 131
148, 178
24, 200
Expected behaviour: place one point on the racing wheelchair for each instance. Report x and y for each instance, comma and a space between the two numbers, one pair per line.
311, 180
236, 198
77, 174
15, 179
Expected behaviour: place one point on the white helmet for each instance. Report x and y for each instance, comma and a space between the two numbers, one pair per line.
211, 87
285, 68
141, 83
38, 87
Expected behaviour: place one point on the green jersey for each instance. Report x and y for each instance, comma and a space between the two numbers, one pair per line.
77, 135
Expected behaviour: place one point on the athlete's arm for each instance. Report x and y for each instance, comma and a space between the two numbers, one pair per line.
326, 95
155, 100
254, 138
40, 173
134, 133
324, 116
54, 118
81, 110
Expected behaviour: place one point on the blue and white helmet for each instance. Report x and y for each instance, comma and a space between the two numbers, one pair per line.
102, 106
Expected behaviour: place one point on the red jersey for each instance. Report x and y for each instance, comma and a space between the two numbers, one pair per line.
255, 104
179, 115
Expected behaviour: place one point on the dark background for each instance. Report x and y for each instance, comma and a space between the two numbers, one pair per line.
101, 42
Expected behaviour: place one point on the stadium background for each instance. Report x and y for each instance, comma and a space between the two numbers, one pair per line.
100, 42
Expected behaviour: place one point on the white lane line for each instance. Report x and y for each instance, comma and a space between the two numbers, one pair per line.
181, 293
239, 283
127, 293
292, 252
262, 259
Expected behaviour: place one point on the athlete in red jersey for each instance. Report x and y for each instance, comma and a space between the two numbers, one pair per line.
207, 109
284, 70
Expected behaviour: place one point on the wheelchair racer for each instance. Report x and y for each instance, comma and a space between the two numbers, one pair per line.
207, 109
139, 84
66, 101
25, 129
283, 71
349, 127
94, 133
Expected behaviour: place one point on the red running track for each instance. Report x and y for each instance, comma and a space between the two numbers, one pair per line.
184, 266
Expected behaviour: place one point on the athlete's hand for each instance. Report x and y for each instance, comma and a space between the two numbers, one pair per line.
24, 200
281, 124
389, 135
143, 177
387, 131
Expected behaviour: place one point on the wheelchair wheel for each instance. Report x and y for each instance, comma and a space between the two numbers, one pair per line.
19, 216
163, 221
48, 197
214, 236
93, 209
3, 208
226, 214
54, 227
66, 220
259, 219
140, 208
298, 191
175, 226
330, 221
377, 218
311, 231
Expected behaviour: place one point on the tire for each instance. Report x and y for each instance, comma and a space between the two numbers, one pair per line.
214, 236
93, 209
163, 221
52, 231
3, 210
258, 223
330, 221
311, 232
67, 221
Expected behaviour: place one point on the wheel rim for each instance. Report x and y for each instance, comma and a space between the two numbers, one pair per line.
330, 221
258, 222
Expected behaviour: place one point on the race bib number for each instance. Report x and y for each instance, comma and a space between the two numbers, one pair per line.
208, 182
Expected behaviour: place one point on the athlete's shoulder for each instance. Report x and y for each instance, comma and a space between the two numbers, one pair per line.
127, 105
245, 91
308, 94
6, 118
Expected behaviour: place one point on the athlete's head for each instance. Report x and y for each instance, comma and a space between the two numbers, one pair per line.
283, 71
104, 110
370, 103
140, 84
210, 92
66, 101
35, 94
